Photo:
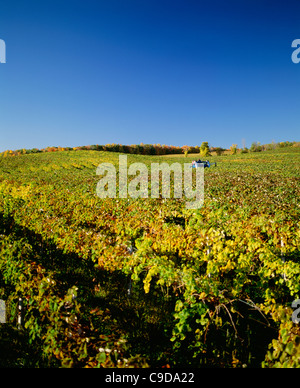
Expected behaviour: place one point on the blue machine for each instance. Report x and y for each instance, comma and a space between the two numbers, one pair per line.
206, 163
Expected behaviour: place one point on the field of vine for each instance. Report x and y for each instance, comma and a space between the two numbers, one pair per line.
146, 282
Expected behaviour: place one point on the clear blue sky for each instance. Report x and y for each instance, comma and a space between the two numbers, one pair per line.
172, 72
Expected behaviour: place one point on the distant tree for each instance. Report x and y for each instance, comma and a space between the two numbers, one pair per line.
233, 149
185, 149
256, 147
269, 146
219, 150
285, 144
204, 149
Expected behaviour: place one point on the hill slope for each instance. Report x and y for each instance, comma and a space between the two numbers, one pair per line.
146, 282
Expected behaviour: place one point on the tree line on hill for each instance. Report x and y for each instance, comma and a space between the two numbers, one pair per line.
158, 149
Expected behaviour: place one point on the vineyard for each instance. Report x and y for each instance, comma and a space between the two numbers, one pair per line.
145, 282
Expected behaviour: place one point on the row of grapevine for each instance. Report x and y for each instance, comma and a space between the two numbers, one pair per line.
227, 273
